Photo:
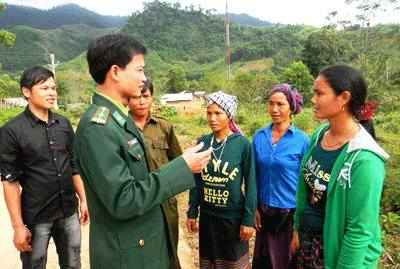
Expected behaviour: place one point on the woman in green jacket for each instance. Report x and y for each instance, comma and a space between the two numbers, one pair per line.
340, 180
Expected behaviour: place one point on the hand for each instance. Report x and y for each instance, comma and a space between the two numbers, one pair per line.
257, 221
197, 160
84, 219
22, 238
246, 233
192, 225
295, 241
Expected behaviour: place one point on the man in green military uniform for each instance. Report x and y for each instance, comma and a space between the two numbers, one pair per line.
128, 228
162, 147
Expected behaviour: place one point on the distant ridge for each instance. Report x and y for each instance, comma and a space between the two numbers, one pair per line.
70, 14
66, 14
245, 19
172, 35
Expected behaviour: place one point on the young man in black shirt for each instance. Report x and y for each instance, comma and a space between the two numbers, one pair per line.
36, 155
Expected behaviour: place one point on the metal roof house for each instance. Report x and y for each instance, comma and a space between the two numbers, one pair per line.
176, 97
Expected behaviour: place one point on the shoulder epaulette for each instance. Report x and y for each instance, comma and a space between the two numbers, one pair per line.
101, 115
121, 121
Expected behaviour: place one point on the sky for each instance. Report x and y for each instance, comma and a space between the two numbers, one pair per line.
308, 12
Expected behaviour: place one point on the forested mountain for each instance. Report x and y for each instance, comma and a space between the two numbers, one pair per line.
190, 44
67, 14
198, 38
245, 19
171, 33
33, 47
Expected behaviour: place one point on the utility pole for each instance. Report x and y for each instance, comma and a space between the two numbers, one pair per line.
53, 66
228, 57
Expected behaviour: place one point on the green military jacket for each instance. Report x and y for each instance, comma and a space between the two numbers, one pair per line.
163, 147
162, 144
127, 226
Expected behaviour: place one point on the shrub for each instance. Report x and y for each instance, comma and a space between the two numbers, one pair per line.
241, 117
77, 112
168, 111
201, 119
389, 122
8, 114
305, 121
390, 223
253, 127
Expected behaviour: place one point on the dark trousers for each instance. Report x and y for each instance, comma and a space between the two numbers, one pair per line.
67, 239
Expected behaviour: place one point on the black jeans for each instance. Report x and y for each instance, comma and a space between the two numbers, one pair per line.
67, 239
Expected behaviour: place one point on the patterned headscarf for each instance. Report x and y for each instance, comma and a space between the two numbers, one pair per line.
227, 103
292, 95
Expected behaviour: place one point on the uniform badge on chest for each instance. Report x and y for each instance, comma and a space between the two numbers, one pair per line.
132, 142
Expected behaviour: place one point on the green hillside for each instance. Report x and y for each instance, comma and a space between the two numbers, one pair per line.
193, 43
66, 14
33, 47
197, 39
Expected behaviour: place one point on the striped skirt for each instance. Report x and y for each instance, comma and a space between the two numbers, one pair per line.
220, 246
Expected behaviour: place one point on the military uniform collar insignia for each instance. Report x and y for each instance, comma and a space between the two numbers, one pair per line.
101, 115
118, 118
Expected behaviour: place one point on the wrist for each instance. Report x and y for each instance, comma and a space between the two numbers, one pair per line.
17, 227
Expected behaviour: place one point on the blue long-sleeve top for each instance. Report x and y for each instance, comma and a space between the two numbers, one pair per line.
277, 168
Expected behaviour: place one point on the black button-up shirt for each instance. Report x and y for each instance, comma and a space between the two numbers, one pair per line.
40, 156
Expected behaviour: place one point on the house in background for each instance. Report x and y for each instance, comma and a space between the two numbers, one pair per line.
183, 101
14, 102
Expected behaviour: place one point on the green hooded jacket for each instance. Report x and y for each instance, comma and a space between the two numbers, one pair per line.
351, 235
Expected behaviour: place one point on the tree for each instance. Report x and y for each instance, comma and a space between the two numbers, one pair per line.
212, 82
73, 87
62, 91
9, 87
374, 48
159, 80
6, 38
251, 88
299, 75
177, 5
324, 48
176, 80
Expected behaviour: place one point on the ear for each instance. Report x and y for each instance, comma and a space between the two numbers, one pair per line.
114, 72
345, 97
26, 92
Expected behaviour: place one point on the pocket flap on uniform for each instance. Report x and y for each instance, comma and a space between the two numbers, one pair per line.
136, 152
160, 143
136, 238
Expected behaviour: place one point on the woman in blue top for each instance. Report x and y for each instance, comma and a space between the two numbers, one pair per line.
278, 150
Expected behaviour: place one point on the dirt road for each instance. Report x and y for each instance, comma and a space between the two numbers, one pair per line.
9, 256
